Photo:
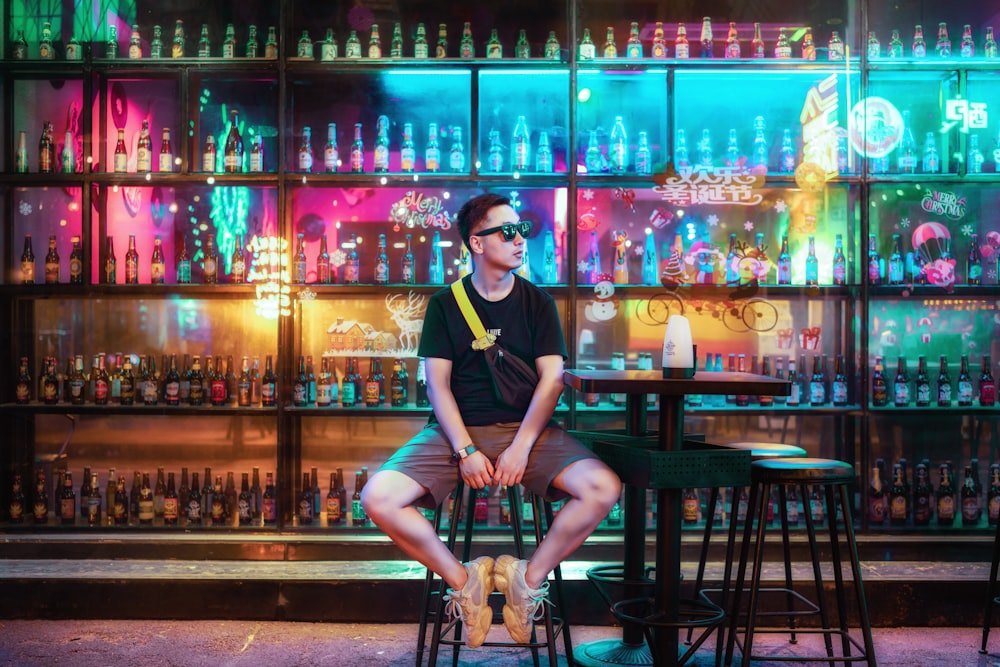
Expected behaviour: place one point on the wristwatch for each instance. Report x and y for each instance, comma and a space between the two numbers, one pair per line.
463, 453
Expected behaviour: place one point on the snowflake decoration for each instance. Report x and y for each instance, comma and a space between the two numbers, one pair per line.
24, 208
307, 294
967, 230
583, 266
905, 223
780, 206
638, 250
712, 220
588, 194
991, 274
338, 257
748, 225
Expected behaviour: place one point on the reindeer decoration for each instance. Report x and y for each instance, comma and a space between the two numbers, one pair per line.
406, 314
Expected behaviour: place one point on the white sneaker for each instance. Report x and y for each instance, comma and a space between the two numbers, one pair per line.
524, 604
471, 604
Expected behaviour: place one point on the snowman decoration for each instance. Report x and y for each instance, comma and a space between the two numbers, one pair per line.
604, 306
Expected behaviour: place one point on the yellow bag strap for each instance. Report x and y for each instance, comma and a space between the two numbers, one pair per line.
483, 340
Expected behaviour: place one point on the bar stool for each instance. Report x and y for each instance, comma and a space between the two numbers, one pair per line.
991, 597
432, 606
758, 451
835, 477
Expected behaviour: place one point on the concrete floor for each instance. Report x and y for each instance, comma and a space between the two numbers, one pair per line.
274, 644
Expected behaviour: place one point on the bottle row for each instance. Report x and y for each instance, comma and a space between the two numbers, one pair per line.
905, 502
112, 380
912, 158
922, 393
203, 502
923, 265
942, 46
695, 506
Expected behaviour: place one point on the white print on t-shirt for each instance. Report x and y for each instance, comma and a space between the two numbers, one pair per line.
493, 332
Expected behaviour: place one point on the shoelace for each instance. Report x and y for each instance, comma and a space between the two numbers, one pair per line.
453, 604
536, 598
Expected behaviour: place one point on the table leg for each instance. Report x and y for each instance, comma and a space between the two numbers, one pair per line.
631, 649
668, 535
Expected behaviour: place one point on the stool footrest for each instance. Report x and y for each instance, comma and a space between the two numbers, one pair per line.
811, 610
557, 629
860, 657
699, 614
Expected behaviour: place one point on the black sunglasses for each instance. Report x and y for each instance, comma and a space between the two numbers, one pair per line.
509, 230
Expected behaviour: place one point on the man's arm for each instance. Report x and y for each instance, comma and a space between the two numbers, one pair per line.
511, 464
477, 471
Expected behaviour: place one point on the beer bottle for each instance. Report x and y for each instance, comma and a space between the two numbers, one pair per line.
732, 42
943, 384
204, 44
171, 502
166, 159
16, 507
229, 45
27, 262
244, 388
269, 509
172, 384
432, 151
22, 390
232, 500
121, 154
987, 387
839, 382
47, 149
144, 150
323, 263
21, 153
817, 507
922, 386
159, 492
238, 275
52, 263
208, 155
380, 379
197, 392
899, 502
211, 266
970, 499
305, 506
67, 501
324, 393
441, 49
422, 400
300, 390
964, 383
945, 498
268, 392
102, 385
134, 494
146, 510
420, 49
876, 499
381, 161
255, 382
381, 262
690, 506
817, 384
974, 263
255, 496
371, 392
217, 507
216, 380
232, 157
271, 44
50, 384
183, 264
77, 389
880, 392
119, 515
192, 508
93, 502
299, 265
347, 394
358, 517
232, 384
328, 47
397, 391
901, 386
993, 511
317, 493
151, 383
257, 155
127, 383
131, 263
183, 493
357, 151
333, 508
244, 503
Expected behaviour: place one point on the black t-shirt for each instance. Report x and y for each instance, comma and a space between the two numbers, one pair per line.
525, 322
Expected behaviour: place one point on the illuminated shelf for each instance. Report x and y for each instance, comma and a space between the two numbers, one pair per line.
730, 293
935, 291
955, 410
763, 64
73, 291
160, 409
401, 179
432, 65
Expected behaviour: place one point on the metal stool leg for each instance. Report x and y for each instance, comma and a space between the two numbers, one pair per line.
758, 561
425, 609
741, 573
713, 498
557, 573
990, 588
452, 538
824, 613
786, 551
866, 626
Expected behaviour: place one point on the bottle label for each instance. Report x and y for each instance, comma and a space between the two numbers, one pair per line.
840, 393
156, 272
256, 162
816, 508
332, 508
231, 162
994, 508
381, 158
682, 51
347, 393
407, 158
987, 393
170, 509
817, 393
690, 510
351, 271
923, 394
51, 272
970, 509
121, 163
299, 394
946, 507
143, 159
269, 510
305, 161
357, 160
100, 391
965, 392
75, 268
795, 396
173, 392
208, 161
432, 159
381, 273
876, 510
267, 392
944, 394
323, 394
371, 393
184, 272
328, 51
901, 393
897, 509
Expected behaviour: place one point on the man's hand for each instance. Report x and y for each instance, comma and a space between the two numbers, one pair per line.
476, 469
511, 465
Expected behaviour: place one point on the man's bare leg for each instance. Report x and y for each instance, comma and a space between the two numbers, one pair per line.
388, 499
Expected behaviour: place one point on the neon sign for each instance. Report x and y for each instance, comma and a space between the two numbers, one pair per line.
967, 115
819, 126
269, 273
721, 186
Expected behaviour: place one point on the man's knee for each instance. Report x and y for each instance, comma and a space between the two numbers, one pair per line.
608, 486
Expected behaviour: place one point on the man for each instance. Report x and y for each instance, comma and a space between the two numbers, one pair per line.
473, 436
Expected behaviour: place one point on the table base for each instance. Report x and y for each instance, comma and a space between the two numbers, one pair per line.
612, 652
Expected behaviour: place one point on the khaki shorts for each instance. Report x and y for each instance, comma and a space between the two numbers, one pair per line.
426, 459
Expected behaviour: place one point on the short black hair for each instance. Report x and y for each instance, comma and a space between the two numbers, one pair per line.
476, 210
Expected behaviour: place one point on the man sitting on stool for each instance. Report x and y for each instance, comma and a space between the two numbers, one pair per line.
472, 435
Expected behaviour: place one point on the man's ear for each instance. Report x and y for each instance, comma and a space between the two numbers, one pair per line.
476, 245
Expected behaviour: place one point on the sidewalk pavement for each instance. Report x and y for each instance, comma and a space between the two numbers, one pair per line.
67, 643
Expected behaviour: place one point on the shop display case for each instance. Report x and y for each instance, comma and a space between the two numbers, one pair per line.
309, 163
